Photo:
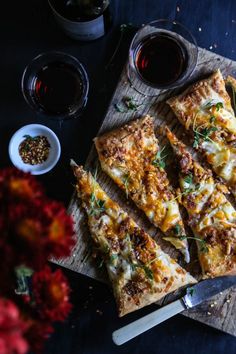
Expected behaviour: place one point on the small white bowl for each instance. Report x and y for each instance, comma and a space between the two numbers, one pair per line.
34, 130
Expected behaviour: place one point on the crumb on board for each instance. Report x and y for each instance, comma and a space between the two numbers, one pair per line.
177, 9
99, 312
210, 47
208, 313
200, 29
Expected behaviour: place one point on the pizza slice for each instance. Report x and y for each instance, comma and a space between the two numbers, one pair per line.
140, 272
211, 216
206, 112
131, 156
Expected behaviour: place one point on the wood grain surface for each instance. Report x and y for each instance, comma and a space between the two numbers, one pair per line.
219, 312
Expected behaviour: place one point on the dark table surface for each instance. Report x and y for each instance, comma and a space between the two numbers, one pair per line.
27, 29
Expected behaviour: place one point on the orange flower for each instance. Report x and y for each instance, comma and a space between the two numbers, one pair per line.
50, 292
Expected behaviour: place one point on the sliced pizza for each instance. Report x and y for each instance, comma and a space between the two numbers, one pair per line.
206, 112
211, 216
140, 272
131, 156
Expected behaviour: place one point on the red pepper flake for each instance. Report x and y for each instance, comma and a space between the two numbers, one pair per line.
34, 150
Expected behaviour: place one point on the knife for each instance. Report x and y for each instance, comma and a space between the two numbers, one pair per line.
195, 295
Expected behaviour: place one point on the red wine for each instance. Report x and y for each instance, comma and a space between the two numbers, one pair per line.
160, 59
57, 88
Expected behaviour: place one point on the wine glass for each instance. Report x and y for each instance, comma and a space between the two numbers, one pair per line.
56, 85
162, 55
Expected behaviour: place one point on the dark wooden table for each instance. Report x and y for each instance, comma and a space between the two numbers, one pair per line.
27, 29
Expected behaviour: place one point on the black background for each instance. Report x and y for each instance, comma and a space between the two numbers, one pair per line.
27, 29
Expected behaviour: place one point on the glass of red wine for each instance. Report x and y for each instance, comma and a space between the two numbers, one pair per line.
162, 55
56, 85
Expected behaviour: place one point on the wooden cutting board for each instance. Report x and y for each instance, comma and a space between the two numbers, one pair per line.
220, 311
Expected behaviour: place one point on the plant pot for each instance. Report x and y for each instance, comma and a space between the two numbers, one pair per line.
80, 30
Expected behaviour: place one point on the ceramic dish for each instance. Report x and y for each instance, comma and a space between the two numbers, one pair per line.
34, 130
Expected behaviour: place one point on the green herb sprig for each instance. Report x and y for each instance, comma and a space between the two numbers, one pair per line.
127, 104
97, 206
146, 269
159, 160
203, 134
203, 245
126, 181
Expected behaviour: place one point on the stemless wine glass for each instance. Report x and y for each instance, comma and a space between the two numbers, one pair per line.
55, 85
162, 55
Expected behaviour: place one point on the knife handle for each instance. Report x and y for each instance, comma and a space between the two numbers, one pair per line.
124, 334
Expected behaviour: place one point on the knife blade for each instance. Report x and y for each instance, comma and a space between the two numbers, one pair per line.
195, 295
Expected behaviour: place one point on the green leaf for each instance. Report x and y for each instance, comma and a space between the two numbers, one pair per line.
188, 179
22, 279
159, 159
177, 229
203, 245
196, 140
212, 119
96, 205
148, 272
126, 180
219, 105
113, 257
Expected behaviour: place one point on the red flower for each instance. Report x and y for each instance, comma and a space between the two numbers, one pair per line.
60, 229
39, 230
16, 184
12, 329
50, 292
38, 333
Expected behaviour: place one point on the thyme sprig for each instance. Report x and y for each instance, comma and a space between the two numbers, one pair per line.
159, 160
97, 206
192, 187
126, 181
203, 245
203, 134
127, 104
147, 270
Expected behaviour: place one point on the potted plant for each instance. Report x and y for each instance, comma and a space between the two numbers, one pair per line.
84, 20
